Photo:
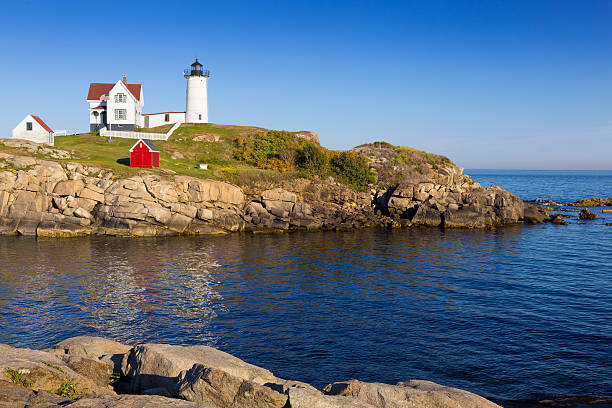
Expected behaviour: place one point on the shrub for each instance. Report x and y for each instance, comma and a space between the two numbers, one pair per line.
271, 150
353, 169
312, 159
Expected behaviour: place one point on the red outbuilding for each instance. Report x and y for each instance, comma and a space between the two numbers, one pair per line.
144, 154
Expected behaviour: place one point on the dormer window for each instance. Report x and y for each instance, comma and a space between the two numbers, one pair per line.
120, 98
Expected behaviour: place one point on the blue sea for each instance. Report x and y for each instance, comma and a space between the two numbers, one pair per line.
523, 311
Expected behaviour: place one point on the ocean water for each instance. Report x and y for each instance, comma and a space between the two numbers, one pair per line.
518, 312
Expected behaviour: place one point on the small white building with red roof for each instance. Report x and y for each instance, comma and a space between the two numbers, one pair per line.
33, 129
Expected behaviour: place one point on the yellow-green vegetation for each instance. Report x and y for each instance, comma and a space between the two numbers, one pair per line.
50, 364
414, 157
68, 389
242, 155
16, 377
285, 151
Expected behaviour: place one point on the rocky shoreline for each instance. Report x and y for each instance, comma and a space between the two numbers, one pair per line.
62, 199
94, 372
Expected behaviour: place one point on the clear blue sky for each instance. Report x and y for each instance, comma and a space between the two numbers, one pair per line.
491, 84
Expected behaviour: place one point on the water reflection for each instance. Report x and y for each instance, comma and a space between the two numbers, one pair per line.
501, 313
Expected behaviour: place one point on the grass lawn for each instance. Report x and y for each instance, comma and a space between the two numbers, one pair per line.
179, 154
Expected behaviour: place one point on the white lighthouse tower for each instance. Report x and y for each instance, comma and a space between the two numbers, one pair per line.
197, 99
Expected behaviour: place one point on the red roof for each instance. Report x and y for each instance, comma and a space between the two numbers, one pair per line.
42, 123
147, 143
97, 90
158, 113
99, 107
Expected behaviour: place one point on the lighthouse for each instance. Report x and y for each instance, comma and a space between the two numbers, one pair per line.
197, 99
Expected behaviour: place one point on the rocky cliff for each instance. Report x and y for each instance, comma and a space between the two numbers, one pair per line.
55, 198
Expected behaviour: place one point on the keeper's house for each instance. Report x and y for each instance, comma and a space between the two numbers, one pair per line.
34, 129
115, 106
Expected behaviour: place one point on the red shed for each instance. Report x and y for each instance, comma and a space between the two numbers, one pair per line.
144, 154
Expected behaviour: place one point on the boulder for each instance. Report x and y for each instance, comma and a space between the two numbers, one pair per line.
303, 398
534, 214
410, 394
281, 209
91, 194
82, 213
217, 388
278, 194
127, 401
205, 214
46, 371
587, 215
469, 217
159, 214
426, 216
17, 396
159, 365
20, 162
68, 187
90, 346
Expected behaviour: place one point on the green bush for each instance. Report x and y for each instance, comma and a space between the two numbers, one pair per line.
312, 159
271, 150
353, 169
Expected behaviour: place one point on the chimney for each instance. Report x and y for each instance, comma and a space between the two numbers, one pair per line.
124, 80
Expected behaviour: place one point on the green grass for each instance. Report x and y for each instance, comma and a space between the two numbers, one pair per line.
189, 145
17, 377
93, 149
158, 129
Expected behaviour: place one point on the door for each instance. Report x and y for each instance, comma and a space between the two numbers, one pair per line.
146, 121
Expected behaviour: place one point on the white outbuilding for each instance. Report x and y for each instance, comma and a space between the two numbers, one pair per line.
33, 129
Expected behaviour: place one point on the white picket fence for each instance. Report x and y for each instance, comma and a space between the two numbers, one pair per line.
139, 135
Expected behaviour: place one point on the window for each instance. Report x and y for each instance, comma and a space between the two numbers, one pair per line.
95, 113
200, 117
167, 117
28, 125
120, 98
120, 114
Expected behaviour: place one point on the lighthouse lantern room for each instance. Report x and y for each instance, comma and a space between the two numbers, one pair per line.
197, 100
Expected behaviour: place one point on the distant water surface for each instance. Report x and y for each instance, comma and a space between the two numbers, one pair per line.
523, 311
563, 186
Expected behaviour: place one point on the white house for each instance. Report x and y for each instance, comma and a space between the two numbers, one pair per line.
115, 106
34, 129
118, 106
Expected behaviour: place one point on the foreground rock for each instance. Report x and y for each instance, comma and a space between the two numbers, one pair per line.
411, 394
159, 375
